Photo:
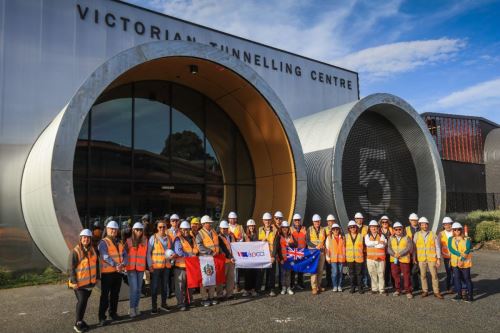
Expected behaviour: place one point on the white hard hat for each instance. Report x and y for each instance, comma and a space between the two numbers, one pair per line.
278, 214
185, 225
138, 225
447, 219
112, 225
316, 218
335, 225
296, 217
266, 216
373, 223
456, 225
397, 225
351, 224
284, 224
413, 216
385, 217
232, 215
169, 253
206, 219
358, 216
174, 217
423, 219
86, 232
330, 217
250, 222
223, 224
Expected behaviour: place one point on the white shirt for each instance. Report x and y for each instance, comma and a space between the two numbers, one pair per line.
370, 243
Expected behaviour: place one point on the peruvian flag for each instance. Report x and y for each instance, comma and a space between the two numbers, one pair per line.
205, 271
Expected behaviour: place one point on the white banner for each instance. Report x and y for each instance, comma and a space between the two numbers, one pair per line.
207, 266
251, 254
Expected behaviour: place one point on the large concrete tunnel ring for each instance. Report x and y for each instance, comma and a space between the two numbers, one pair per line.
324, 137
47, 196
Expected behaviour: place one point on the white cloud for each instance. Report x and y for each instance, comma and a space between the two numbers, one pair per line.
385, 60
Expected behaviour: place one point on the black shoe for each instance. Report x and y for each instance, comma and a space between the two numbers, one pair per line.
85, 325
352, 291
102, 323
361, 291
154, 311
468, 299
164, 306
114, 316
79, 327
457, 298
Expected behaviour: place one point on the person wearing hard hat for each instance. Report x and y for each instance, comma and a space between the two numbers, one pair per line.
173, 231
387, 231
208, 244
195, 226
160, 266
267, 233
444, 236
399, 250
283, 242
375, 257
251, 275
354, 255
225, 240
359, 219
184, 246
148, 226
238, 233
428, 256
111, 259
83, 273
96, 234
299, 234
278, 218
461, 261
315, 239
126, 230
363, 230
330, 220
410, 231
335, 255
135, 253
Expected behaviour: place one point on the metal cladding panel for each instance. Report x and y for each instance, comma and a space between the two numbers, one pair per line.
492, 161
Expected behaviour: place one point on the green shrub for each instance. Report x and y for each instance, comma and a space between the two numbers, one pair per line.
487, 230
12, 280
474, 218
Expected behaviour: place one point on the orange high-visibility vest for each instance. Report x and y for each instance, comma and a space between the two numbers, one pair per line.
114, 253
187, 248
210, 240
317, 238
228, 244
460, 246
336, 249
86, 270
237, 231
397, 247
136, 256
354, 249
158, 254
284, 243
443, 239
300, 237
269, 239
374, 253
173, 234
426, 248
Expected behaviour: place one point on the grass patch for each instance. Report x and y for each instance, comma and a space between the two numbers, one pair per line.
10, 279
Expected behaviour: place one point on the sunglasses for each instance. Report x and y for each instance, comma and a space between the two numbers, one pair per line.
398, 229
138, 230
161, 227
352, 227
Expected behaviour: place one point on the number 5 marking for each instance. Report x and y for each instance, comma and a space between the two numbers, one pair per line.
376, 175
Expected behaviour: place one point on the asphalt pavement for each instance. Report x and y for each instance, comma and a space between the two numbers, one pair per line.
51, 308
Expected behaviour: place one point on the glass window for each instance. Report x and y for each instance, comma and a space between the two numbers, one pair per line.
109, 198
220, 145
81, 152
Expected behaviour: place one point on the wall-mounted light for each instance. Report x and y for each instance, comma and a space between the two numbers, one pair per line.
193, 69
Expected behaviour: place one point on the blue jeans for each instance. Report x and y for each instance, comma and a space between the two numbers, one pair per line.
160, 279
135, 286
461, 276
337, 274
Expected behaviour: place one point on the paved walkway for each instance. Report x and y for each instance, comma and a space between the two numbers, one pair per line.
51, 309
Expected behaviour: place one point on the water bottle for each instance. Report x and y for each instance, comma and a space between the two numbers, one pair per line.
395, 261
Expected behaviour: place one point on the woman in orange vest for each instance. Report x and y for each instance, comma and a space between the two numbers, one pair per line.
335, 255
184, 246
251, 275
135, 252
284, 240
299, 234
354, 255
461, 261
83, 273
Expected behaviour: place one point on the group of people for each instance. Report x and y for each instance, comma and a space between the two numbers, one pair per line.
377, 255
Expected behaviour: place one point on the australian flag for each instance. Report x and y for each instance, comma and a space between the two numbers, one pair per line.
302, 260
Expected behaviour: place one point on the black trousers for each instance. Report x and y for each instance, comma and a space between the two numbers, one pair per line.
300, 279
355, 269
82, 296
251, 277
328, 268
110, 291
415, 278
387, 275
270, 275
160, 281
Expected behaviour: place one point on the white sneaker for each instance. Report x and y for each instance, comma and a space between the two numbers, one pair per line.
283, 291
245, 293
132, 313
254, 294
137, 311
335, 289
339, 289
290, 291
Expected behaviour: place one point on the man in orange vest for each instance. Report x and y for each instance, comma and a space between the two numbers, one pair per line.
208, 244
111, 258
428, 256
173, 231
267, 233
195, 226
444, 235
159, 255
375, 257
83, 272
299, 234
225, 240
335, 255
354, 255
315, 239
399, 249
184, 246
136, 248
363, 230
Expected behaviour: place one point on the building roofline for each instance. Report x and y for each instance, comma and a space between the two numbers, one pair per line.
451, 115
234, 36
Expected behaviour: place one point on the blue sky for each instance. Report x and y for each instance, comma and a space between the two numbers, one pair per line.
441, 56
